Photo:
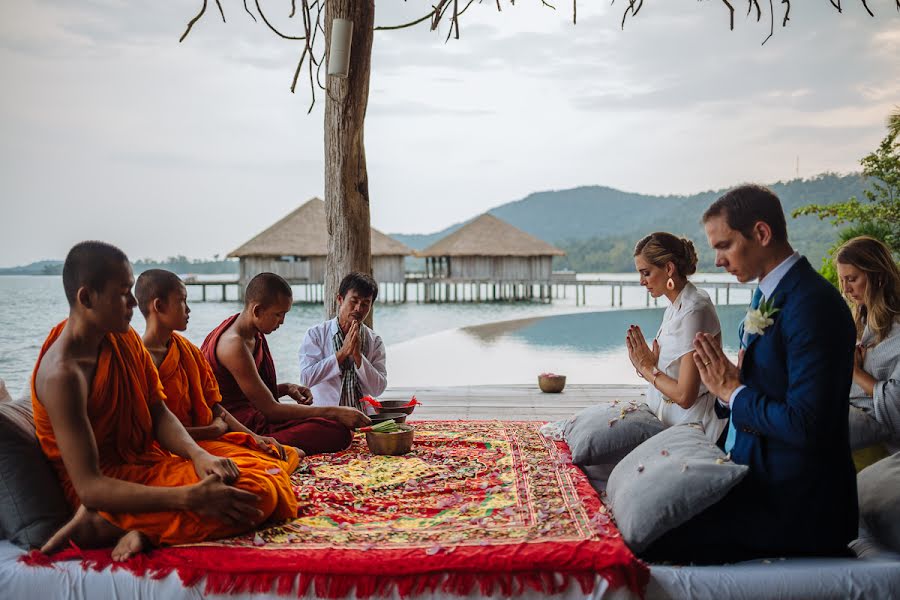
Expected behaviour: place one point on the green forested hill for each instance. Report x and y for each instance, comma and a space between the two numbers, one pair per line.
598, 226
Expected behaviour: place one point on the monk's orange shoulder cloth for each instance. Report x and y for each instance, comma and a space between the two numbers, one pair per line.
125, 385
191, 388
124, 388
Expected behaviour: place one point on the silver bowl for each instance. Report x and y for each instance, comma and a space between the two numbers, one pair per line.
395, 406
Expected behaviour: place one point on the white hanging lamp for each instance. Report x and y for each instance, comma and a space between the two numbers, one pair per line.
339, 52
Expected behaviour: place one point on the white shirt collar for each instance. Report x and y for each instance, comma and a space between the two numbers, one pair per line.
332, 327
768, 283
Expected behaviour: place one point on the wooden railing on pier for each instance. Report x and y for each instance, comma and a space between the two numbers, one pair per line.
434, 290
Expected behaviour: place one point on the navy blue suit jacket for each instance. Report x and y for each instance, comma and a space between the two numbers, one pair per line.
799, 496
791, 421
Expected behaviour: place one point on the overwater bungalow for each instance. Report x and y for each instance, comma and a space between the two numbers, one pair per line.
295, 247
489, 251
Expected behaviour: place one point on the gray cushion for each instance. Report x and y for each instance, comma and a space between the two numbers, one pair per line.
668, 479
604, 434
878, 486
868, 548
32, 505
865, 431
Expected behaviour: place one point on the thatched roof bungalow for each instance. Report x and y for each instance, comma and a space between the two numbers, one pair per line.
296, 246
490, 249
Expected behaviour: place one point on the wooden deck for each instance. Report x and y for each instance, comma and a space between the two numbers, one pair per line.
509, 402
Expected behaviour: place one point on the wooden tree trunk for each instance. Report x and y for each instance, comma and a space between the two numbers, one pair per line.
346, 179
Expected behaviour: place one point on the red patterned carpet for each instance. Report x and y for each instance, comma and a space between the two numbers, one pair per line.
484, 506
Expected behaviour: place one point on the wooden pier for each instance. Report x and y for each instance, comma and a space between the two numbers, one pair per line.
426, 290
721, 290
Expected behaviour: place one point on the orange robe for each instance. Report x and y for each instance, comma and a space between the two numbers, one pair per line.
191, 391
124, 386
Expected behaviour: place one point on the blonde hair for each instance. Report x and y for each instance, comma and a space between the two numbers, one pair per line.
661, 248
882, 301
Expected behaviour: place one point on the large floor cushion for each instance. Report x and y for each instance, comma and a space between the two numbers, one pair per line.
603, 434
668, 479
879, 500
32, 506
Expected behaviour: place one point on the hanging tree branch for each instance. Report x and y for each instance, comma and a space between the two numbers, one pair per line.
312, 54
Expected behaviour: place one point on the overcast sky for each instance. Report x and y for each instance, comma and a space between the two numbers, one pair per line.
110, 129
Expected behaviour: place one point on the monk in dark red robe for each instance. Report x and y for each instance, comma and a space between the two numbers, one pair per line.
240, 358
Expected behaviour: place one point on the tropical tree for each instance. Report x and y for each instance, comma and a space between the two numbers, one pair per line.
879, 213
346, 178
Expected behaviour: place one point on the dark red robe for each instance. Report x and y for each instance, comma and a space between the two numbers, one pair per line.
314, 435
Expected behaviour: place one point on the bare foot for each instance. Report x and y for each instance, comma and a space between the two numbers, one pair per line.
87, 529
133, 542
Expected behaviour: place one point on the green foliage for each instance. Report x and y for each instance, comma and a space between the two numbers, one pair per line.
598, 226
183, 265
878, 231
881, 208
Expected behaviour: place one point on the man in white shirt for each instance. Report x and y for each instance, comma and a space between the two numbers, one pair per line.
342, 360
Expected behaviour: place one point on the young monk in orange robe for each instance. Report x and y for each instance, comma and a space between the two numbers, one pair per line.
239, 356
192, 393
125, 462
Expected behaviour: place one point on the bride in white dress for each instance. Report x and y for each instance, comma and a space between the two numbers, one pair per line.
675, 393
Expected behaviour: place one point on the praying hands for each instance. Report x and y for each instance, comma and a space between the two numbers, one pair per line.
352, 347
641, 355
718, 374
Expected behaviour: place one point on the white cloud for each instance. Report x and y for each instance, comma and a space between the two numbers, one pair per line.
112, 129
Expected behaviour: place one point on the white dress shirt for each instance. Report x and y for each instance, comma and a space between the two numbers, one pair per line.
319, 369
767, 286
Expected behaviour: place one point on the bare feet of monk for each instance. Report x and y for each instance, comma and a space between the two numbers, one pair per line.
133, 542
87, 529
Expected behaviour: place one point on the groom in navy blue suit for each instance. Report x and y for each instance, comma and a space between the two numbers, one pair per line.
786, 400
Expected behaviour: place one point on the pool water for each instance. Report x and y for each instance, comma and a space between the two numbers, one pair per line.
587, 347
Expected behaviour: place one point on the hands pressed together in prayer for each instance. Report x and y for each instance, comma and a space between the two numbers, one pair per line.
643, 358
718, 374
352, 347
859, 357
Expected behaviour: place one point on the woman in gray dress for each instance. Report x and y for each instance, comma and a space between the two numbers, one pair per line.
870, 280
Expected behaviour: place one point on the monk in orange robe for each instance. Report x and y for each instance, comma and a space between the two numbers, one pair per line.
192, 393
125, 462
239, 356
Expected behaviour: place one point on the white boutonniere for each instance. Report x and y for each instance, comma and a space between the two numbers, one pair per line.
758, 319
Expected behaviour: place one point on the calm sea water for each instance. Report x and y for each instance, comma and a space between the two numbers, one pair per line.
428, 344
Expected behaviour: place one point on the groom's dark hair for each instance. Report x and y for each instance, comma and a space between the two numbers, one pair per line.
744, 206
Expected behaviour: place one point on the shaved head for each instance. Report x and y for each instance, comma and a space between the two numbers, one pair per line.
153, 284
90, 264
266, 289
